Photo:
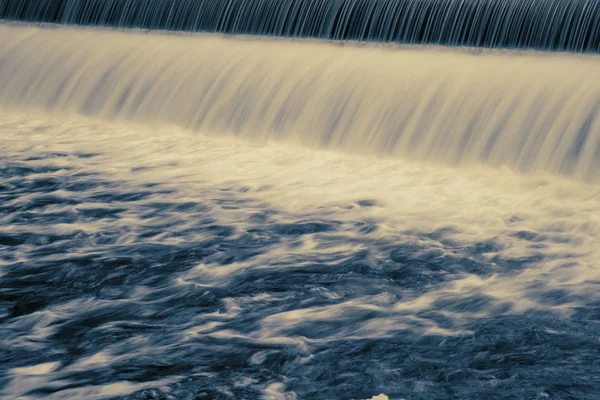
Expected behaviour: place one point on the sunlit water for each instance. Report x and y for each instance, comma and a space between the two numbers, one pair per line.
149, 263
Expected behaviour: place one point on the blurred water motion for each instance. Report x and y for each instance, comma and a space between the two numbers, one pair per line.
203, 217
552, 25
530, 112
145, 263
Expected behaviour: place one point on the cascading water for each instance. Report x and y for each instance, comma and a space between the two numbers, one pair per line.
199, 216
567, 25
529, 112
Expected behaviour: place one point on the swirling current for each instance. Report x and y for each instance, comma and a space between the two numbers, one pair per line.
205, 217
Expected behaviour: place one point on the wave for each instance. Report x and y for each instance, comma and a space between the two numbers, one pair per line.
530, 112
567, 25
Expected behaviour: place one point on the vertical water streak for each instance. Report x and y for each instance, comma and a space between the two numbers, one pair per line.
556, 25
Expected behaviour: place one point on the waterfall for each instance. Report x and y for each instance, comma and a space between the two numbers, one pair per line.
563, 25
528, 111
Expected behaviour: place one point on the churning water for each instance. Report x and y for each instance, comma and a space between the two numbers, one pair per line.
200, 217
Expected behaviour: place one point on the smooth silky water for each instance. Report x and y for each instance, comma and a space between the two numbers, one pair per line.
201, 217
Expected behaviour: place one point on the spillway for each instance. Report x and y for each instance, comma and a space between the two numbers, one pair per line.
563, 25
527, 111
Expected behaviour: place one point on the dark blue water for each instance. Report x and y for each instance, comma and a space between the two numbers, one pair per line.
558, 25
119, 288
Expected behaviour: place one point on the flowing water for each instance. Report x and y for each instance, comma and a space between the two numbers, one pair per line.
527, 111
201, 217
565, 25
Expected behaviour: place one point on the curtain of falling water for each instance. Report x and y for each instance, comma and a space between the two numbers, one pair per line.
563, 25
526, 111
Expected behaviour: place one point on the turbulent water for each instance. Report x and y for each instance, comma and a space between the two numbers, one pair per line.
203, 217
565, 25
156, 263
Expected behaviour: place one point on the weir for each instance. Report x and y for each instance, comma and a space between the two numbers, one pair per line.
527, 111
559, 25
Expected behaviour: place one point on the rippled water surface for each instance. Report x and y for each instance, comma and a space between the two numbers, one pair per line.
153, 263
